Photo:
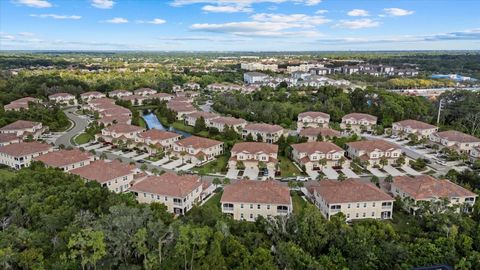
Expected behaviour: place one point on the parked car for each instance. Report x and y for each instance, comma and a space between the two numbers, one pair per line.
302, 178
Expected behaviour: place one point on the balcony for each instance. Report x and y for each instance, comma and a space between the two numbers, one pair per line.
282, 212
227, 209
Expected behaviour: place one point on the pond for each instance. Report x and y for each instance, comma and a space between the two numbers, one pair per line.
153, 123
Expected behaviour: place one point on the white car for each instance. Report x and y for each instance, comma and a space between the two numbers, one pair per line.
302, 178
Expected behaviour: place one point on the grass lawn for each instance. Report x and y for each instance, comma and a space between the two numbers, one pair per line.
215, 166
142, 122
7, 173
214, 201
181, 126
287, 168
82, 138
298, 203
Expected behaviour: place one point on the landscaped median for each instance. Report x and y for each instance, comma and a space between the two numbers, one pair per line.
81, 138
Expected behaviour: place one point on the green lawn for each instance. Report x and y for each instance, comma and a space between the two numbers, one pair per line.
287, 168
214, 201
181, 126
6, 173
142, 123
215, 166
82, 138
298, 203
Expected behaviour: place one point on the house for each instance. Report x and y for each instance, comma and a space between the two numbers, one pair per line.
66, 160
122, 132
114, 175
427, 188
63, 99
9, 138
475, 153
312, 134
179, 193
312, 119
197, 150
263, 132
221, 122
191, 118
254, 77
21, 103
374, 152
315, 155
161, 96
144, 92
247, 200
221, 87
20, 155
181, 109
357, 122
135, 100
87, 96
119, 93
177, 88
23, 128
355, 198
407, 127
158, 139
191, 86
255, 156
259, 66
460, 141
188, 94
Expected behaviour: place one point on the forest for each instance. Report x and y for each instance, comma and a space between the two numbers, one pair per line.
53, 220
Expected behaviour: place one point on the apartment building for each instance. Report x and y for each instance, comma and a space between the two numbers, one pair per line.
197, 150
191, 118
66, 160
427, 188
178, 193
315, 155
181, 109
191, 86
63, 99
407, 127
23, 128
119, 93
313, 120
258, 66
155, 139
222, 87
266, 132
358, 122
457, 140
250, 154
21, 103
254, 77
374, 151
20, 155
114, 175
9, 138
122, 132
247, 200
221, 122
88, 96
312, 134
354, 198
144, 92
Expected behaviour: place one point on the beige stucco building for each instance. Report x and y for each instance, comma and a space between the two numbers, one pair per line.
197, 150
357, 122
22, 129
312, 154
250, 154
268, 133
66, 160
20, 155
457, 140
372, 152
63, 99
407, 127
313, 120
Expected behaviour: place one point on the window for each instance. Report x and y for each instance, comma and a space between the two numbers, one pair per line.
358, 205
349, 206
144, 194
166, 199
364, 205
335, 207
364, 214
258, 206
268, 206
356, 215
373, 204
241, 215
251, 206
348, 215
241, 206
373, 214
251, 216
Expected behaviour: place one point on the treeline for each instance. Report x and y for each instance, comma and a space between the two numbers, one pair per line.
51, 116
52, 220
460, 111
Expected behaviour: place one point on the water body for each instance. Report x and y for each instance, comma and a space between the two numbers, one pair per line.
153, 123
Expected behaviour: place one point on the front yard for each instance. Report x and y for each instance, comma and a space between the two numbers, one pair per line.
218, 165
299, 204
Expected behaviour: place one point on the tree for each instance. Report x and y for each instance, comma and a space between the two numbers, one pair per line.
216, 181
88, 245
240, 165
103, 156
249, 137
383, 161
400, 161
226, 181
389, 179
342, 177
144, 167
259, 138
200, 125
342, 160
375, 180
322, 162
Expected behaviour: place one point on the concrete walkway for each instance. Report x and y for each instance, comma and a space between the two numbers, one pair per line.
410, 171
330, 172
392, 171
376, 172
349, 173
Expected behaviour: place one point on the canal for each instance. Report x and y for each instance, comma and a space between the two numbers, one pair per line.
153, 123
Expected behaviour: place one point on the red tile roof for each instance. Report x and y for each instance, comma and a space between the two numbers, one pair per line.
414, 124
19, 125
60, 95
313, 147
103, 171
267, 128
325, 132
169, 184
197, 142
250, 191
360, 116
255, 147
158, 135
119, 91
124, 128
24, 148
424, 187
457, 136
314, 115
229, 121
349, 191
370, 146
205, 115
63, 157
91, 93
8, 137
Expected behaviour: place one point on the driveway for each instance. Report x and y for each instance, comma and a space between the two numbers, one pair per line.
130, 154
312, 174
143, 156
80, 123
161, 161
93, 146
173, 164
349, 173
104, 148
376, 172
232, 173
392, 171
410, 171
251, 173
330, 172
185, 167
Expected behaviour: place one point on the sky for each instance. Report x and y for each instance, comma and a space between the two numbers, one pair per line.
239, 25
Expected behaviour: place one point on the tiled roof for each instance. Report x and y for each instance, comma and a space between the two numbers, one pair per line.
61, 95
158, 135
263, 128
426, 187
360, 116
314, 115
313, 147
349, 191
19, 124
103, 171
325, 132
373, 145
457, 136
205, 115
142, 90
123, 128
63, 157
229, 121
414, 124
91, 93
119, 91
169, 184
255, 147
24, 148
161, 95
197, 142
102, 101
8, 137
249, 191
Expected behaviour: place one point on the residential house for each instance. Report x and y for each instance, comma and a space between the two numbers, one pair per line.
221, 122
66, 160
457, 140
88, 96
407, 127
312, 119
23, 128
144, 92
63, 99
9, 138
191, 118
191, 86
475, 153
197, 150
312, 134
358, 122
121, 132
259, 66
315, 155
266, 132
254, 77
21, 103
181, 109
222, 87
20, 155
119, 93
374, 152
247, 200
155, 139
255, 156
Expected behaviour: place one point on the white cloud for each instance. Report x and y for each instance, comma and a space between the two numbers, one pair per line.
398, 11
6, 37
321, 11
26, 34
117, 20
358, 13
34, 3
103, 4
154, 21
312, 2
57, 17
247, 3
226, 8
357, 24
303, 19
255, 28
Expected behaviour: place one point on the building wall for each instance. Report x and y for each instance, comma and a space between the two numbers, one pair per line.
266, 137
186, 202
120, 184
423, 133
332, 159
72, 166
20, 162
250, 211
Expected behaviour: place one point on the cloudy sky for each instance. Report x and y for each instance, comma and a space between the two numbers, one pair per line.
239, 25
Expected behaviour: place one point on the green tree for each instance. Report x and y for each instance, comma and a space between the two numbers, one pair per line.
88, 245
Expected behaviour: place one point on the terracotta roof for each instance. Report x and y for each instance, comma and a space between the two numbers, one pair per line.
158, 135
24, 148
313, 147
181, 107
360, 116
8, 137
60, 95
457, 136
142, 90
91, 93
255, 147
229, 121
249, 191
205, 115
349, 191
314, 115
123, 128
316, 131
63, 157
263, 128
373, 145
102, 101
119, 91
414, 124
197, 142
19, 124
169, 184
117, 110
120, 119
103, 171
426, 187
161, 95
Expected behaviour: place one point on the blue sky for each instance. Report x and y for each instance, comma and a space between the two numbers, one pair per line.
239, 25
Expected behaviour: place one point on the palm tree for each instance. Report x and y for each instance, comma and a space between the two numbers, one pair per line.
216, 181
342, 160
322, 162
383, 161
240, 165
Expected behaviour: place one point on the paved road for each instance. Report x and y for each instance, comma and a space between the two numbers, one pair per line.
80, 124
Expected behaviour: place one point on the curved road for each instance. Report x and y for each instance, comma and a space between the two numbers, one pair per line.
80, 123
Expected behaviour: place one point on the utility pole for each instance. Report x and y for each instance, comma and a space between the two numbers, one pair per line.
440, 107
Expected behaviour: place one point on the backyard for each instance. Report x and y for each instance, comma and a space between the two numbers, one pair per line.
287, 168
218, 165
